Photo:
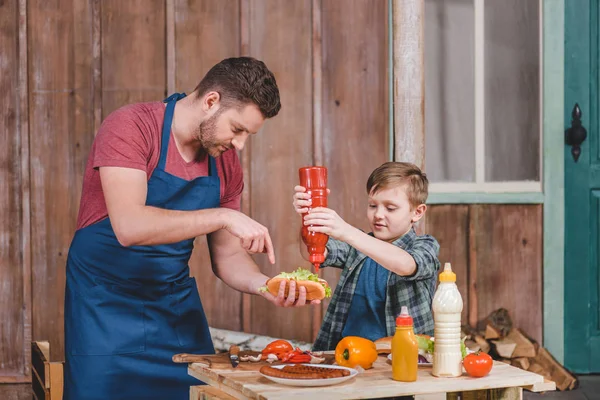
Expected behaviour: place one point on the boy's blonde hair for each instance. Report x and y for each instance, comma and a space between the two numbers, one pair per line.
392, 174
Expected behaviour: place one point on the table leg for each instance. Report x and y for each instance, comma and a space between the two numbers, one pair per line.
205, 392
513, 393
474, 395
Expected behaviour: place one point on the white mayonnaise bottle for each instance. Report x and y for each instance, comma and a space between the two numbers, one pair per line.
447, 307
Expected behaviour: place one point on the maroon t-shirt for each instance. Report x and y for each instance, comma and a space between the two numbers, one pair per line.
130, 137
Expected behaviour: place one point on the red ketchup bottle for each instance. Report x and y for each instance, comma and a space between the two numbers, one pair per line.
314, 179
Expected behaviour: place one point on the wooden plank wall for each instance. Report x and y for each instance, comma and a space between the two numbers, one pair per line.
276, 157
66, 64
496, 252
15, 326
195, 25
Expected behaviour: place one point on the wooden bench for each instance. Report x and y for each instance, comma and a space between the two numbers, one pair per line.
47, 376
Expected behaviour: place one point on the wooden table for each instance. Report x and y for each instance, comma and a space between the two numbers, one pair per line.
504, 382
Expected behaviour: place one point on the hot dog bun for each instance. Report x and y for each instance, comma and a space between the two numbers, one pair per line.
316, 288
384, 345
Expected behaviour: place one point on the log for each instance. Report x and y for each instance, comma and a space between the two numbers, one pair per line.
536, 369
491, 333
500, 320
525, 347
504, 347
472, 345
553, 371
482, 343
521, 362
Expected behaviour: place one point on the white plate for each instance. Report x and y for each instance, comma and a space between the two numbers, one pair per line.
427, 364
312, 382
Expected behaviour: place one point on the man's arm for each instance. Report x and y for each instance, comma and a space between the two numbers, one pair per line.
237, 269
135, 223
232, 264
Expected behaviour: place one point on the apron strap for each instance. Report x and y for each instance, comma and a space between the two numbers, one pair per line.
166, 135
212, 166
166, 128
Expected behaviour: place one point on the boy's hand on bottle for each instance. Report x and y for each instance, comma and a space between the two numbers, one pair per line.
327, 221
302, 201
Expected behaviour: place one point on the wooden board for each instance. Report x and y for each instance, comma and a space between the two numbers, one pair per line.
47, 376
509, 263
12, 346
85, 73
21, 391
220, 362
449, 224
375, 382
496, 251
195, 24
276, 156
354, 104
132, 69
52, 109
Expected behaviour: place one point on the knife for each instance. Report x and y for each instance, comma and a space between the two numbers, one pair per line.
233, 356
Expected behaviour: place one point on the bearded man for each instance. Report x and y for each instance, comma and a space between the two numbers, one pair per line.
160, 174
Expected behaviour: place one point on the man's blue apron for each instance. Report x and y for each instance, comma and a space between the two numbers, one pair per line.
129, 310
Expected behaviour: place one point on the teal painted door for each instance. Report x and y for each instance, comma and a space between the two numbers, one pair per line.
582, 189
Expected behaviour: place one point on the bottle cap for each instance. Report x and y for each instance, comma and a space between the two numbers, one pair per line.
404, 319
447, 275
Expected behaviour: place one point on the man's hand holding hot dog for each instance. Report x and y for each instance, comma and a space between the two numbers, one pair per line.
291, 300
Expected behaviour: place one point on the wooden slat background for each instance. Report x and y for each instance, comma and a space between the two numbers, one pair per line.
282, 147
496, 252
12, 296
354, 106
66, 64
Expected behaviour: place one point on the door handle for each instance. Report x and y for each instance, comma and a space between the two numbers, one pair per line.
576, 134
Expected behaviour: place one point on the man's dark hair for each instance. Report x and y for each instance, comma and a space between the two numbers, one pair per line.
241, 81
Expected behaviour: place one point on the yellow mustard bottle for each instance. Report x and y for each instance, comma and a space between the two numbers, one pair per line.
405, 349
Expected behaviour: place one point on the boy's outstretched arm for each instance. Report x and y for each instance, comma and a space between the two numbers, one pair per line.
385, 254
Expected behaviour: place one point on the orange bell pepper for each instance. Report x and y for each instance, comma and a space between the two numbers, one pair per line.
352, 351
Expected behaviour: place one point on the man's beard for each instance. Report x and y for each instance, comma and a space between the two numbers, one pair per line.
207, 134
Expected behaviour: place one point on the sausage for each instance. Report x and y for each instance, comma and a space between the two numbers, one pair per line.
327, 372
278, 373
303, 372
344, 372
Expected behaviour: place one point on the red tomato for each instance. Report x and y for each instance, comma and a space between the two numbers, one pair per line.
478, 364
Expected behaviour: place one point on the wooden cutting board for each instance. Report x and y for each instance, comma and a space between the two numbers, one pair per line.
221, 361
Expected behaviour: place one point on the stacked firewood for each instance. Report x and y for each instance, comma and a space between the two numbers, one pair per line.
500, 339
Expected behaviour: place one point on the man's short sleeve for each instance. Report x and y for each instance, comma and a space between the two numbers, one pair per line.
424, 251
234, 180
123, 140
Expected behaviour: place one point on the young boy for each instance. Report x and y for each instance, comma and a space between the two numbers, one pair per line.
383, 270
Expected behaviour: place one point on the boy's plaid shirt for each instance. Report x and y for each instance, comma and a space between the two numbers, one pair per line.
414, 291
